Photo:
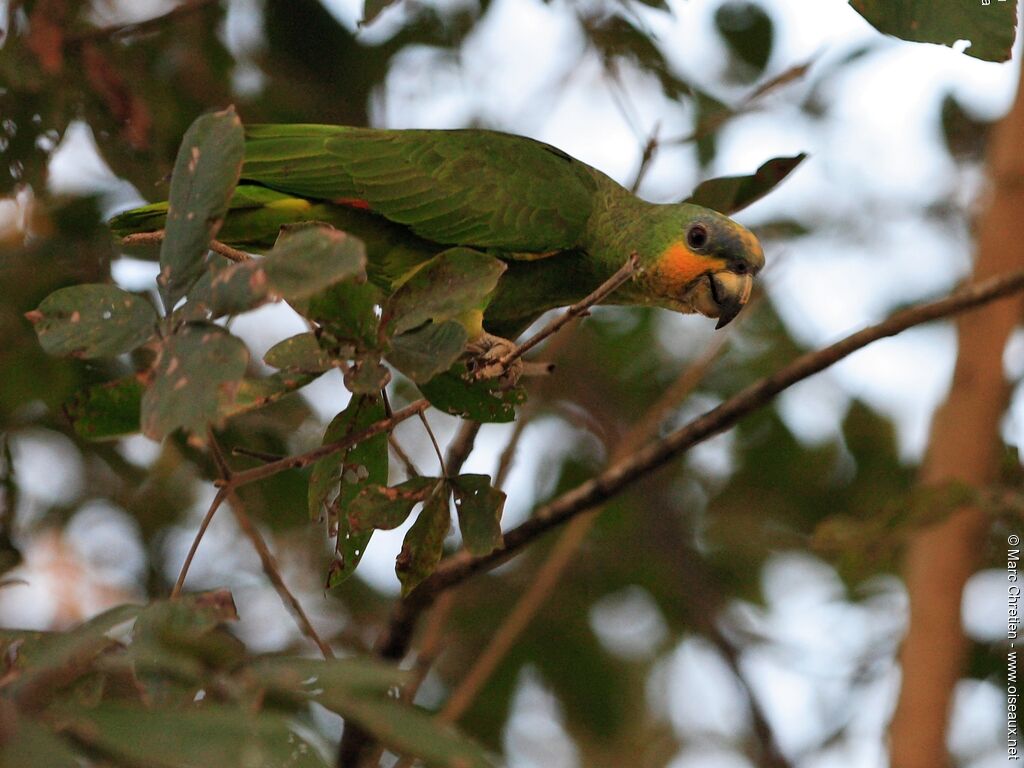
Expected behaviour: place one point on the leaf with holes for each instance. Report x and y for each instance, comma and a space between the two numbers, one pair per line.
92, 321
337, 479
195, 380
456, 392
425, 352
450, 285
205, 173
990, 27
479, 507
424, 543
729, 194
378, 507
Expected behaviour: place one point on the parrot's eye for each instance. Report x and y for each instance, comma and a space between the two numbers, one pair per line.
697, 236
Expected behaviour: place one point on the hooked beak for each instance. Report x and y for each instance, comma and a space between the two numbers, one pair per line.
730, 293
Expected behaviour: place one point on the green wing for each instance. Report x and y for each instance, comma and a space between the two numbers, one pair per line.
462, 187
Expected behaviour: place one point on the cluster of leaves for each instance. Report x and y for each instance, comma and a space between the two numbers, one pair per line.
167, 685
194, 374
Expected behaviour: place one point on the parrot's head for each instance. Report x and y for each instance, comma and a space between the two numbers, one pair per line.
703, 262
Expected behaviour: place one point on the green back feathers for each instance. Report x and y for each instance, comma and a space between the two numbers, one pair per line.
461, 187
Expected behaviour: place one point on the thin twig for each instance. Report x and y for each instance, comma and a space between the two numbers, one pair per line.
526, 413
508, 454
433, 441
580, 308
252, 453
207, 519
135, 27
411, 470
305, 459
151, 238
395, 637
274, 574
550, 572
461, 446
263, 550
647, 153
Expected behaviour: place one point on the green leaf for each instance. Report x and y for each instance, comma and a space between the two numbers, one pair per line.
382, 508
107, 411
990, 27
479, 507
226, 289
365, 375
729, 194
344, 474
408, 730
346, 312
357, 689
425, 352
294, 676
301, 352
453, 283
749, 33
309, 258
29, 744
92, 321
187, 636
205, 173
49, 661
456, 392
196, 737
619, 39
424, 543
253, 393
304, 261
196, 378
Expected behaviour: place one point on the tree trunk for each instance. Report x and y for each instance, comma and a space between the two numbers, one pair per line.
965, 446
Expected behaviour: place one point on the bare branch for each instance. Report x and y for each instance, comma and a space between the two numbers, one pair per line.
305, 459
580, 308
273, 573
207, 519
151, 238
562, 554
461, 446
659, 452
136, 27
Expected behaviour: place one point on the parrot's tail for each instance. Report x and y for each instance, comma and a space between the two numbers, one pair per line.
148, 218
255, 216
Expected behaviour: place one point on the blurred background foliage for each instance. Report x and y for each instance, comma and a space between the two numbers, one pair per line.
746, 589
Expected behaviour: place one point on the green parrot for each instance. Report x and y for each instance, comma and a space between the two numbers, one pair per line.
562, 227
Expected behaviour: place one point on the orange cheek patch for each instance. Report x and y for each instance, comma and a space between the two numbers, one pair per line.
678, 266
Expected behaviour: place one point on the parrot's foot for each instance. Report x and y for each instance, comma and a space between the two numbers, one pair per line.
485, 354
486, 360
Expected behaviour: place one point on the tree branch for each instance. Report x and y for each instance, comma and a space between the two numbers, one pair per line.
152, 238
393, 641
